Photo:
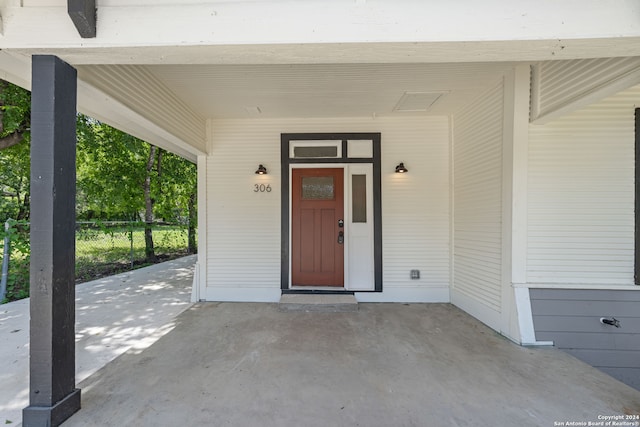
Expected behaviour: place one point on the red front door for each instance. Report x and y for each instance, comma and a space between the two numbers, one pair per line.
317, 207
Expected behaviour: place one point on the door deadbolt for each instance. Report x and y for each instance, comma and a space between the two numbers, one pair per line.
340, 223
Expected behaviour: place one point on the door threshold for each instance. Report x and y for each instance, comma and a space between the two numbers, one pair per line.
316, 290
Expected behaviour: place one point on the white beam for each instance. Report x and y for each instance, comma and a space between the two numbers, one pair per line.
347, 53
332, 31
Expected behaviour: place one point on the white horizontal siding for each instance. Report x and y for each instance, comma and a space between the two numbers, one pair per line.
243, 245
477, 163
557, 84
415, 205
581, 195
138, 89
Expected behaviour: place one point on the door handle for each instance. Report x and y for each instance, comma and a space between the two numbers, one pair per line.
341, 237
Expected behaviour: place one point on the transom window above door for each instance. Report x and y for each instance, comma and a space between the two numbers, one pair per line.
315, 150
331, 149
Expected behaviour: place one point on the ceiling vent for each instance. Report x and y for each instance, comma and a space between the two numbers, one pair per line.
417, 101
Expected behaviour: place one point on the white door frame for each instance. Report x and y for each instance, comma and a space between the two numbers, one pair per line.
357, 261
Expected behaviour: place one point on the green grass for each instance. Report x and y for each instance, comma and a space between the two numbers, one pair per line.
103, 252
98, 247
99, 253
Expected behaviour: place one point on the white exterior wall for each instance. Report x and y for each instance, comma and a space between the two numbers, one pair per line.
243, 233
581, 197
243, 228
415, 211
477, 207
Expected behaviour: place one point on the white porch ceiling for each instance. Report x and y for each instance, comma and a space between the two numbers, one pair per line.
323, 90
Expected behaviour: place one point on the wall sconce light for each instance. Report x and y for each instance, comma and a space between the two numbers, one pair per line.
401, 169
261, 170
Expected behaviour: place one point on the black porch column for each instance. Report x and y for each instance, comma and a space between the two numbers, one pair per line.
53, 396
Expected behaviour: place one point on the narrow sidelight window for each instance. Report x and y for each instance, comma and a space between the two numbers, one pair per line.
359, 198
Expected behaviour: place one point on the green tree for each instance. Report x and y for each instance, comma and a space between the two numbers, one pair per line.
15, 112
176, 194
119, 176
14, 182
114, 175
122, 177
111, 168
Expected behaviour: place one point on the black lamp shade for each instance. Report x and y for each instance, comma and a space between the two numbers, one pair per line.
401, 169
261, 170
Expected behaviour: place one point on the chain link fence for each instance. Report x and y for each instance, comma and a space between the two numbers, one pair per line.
102, 249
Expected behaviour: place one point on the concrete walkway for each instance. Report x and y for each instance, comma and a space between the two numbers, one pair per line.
126, 312
242, 364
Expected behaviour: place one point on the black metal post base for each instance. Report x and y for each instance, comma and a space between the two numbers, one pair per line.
52, 416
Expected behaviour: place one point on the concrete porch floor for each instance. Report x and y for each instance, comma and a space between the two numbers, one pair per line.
243, 364
125, 312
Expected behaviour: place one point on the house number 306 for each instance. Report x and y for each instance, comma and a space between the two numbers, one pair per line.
261, 188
